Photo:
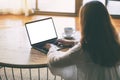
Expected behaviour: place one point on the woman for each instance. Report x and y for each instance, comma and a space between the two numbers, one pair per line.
97, 55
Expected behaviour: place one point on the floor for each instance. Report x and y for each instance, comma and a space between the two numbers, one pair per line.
7, 21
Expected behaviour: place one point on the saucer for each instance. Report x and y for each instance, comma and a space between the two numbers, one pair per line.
68, 37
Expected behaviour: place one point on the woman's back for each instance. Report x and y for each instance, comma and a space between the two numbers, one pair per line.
87, 70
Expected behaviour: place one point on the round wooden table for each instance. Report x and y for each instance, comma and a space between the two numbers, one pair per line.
16, 51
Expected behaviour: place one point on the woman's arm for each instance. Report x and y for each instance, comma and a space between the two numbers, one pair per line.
62, 59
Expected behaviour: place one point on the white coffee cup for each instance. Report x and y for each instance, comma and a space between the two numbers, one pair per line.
68, 31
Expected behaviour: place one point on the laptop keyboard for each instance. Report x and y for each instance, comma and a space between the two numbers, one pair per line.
58, 45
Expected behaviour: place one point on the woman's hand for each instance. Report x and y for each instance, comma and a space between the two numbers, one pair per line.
64, 42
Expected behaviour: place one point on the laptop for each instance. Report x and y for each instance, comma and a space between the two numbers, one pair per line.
41, 32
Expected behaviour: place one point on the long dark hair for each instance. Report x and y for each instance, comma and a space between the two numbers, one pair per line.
99, 37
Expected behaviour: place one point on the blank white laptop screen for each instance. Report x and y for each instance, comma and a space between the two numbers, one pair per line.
41, 30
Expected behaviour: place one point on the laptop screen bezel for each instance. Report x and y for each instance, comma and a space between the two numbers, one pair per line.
46, 41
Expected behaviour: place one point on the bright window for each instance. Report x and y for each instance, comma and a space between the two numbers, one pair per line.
66, 6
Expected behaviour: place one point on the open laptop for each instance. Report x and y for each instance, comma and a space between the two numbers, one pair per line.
41, 32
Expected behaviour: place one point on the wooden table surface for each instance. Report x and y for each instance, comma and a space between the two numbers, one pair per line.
15, 48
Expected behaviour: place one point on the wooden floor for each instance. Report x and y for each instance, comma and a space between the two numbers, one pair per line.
7, 21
